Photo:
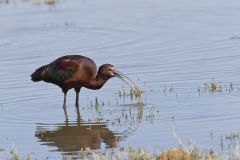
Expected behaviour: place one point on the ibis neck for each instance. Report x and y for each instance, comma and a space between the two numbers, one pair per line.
97, 83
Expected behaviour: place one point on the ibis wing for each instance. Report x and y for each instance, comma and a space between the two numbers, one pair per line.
60, 70
67, 65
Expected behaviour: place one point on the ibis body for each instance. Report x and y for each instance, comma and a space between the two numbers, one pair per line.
76, 71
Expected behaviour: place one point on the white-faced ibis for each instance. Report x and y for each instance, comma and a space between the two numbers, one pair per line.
76, 71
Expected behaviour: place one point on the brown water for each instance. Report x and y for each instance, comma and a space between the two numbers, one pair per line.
172, 47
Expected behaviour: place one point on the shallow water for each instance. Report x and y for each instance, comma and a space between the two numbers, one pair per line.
171, 47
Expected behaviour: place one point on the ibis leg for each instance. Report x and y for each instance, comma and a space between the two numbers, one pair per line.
78, 113
64, 101
77, 90
64, 105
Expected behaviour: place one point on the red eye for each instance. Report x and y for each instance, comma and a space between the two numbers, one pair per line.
109, 69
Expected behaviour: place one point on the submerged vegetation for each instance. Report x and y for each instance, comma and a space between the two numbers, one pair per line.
139, 154
134, 113
213, 87
186, 150
137, 93
208, 87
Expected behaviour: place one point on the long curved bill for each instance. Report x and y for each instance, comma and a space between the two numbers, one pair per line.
122, 77
127, 78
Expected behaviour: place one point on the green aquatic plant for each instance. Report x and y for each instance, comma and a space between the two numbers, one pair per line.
231, 86
233, 136
96, 104
14, 155
169, 90
136, 93
214, 87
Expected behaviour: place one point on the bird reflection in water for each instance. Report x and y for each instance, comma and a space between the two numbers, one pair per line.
78, 135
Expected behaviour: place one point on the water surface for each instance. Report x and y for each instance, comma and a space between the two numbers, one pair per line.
171, 47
